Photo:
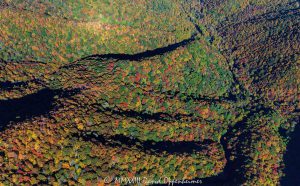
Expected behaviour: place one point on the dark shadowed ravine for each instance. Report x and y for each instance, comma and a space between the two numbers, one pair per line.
29, 106
292, 159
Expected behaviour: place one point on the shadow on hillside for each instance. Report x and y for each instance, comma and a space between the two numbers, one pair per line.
148, 146
292, 160
142, 55
36, 104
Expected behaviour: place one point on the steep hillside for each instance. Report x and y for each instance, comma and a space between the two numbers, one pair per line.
186, 90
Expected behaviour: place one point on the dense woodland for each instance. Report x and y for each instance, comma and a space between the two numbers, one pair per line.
187, 89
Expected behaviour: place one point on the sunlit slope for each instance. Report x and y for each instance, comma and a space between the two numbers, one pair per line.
218, 104
132, 117
62, 31
55, 153
196, 69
